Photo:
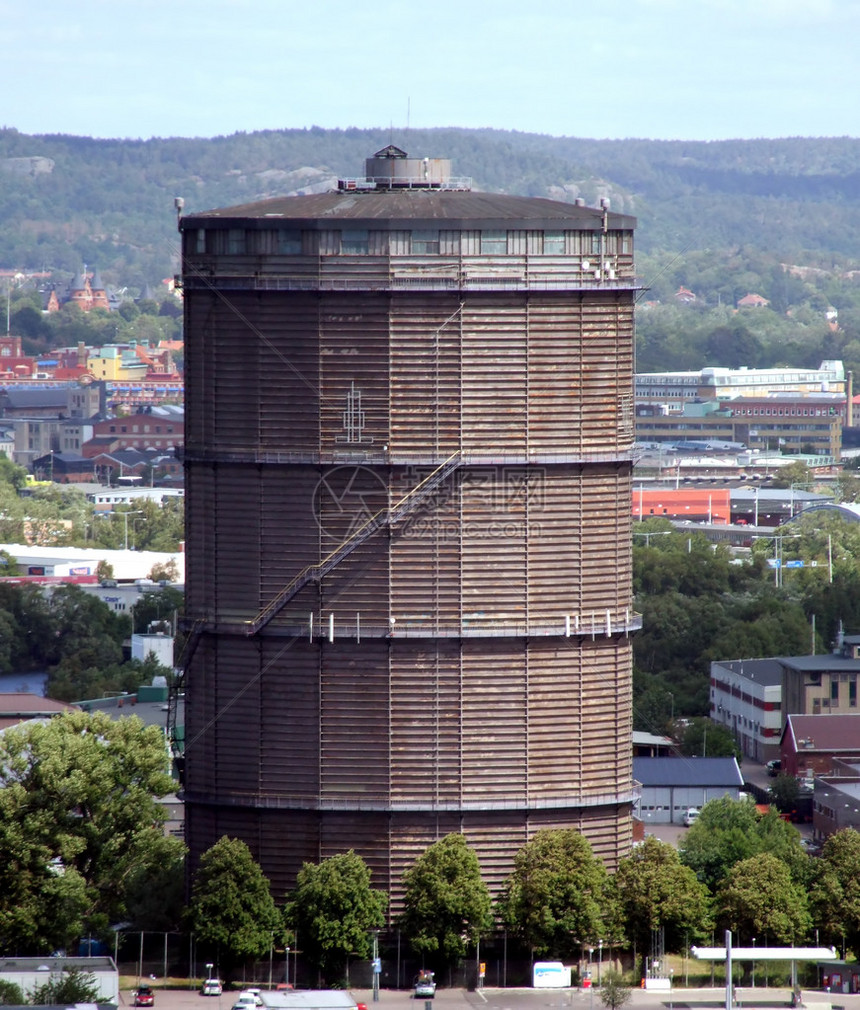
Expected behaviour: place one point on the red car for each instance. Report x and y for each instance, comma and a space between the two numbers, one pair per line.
144, 996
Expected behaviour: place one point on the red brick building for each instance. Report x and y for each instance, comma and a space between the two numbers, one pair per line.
143, 431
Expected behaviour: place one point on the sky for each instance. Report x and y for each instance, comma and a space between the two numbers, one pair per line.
657, 69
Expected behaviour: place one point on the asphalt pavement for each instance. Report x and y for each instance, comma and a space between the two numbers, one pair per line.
536, 999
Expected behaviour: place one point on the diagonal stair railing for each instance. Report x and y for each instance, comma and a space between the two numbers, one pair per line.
385, 517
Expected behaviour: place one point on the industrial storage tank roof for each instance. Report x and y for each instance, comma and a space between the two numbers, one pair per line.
383, 208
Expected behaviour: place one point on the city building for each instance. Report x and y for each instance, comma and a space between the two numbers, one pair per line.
14, 364
755, 697
809, 423
408, 455
118, 363
671, 786
86, 290
746, 698
703, 501
673, 389
836, 801
19, 706
79, 564
154, 429
811, 744
687, 504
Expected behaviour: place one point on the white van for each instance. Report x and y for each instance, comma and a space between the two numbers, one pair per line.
691, 816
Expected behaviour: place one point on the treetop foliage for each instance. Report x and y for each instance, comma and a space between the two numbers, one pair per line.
699, 605
334, 909
728, 832
78, 816
232, 910
555, 898
447, 905
654, 890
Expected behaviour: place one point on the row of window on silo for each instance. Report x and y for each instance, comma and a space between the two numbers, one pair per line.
418, 242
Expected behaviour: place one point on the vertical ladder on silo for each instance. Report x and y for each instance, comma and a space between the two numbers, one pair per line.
385, 517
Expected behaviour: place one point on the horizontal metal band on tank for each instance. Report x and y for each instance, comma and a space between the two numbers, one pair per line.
589, 626
201, 282
192, 454
275, 801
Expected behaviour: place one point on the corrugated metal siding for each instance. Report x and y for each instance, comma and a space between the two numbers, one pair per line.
307, 412
289, 719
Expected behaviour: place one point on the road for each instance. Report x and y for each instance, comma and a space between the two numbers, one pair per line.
535, 999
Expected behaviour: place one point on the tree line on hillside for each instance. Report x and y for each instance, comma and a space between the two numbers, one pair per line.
82, 848
110, 202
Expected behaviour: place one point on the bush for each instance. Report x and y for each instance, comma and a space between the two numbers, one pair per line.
614, 993
10, 994
73, 986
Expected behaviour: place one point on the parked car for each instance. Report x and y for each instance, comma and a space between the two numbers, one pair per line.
143, 996
691, 816
425, 986
774, 767
248, 1000
212, 987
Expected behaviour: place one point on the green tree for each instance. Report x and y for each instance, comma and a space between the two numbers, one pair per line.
334, 909
784, 792
653, 890
758, 897
72, 986
791, 474
79, 813
165, 570
155, 890
614, 993
86, 634
447, 905
553, 901
728, 831
835, 888
232, 910
704, 738
158, 606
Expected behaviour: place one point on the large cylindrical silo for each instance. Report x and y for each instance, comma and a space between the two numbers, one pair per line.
408, 455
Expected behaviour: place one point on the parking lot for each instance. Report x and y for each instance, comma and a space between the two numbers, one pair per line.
532, 999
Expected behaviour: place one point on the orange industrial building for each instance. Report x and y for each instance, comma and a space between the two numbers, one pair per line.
698, 505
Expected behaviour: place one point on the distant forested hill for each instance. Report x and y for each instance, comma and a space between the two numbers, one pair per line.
66, 200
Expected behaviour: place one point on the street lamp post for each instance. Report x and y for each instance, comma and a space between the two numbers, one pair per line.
134, 522
777, 553
376, 966
600, 959
125, 515
652, 533
753, 965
